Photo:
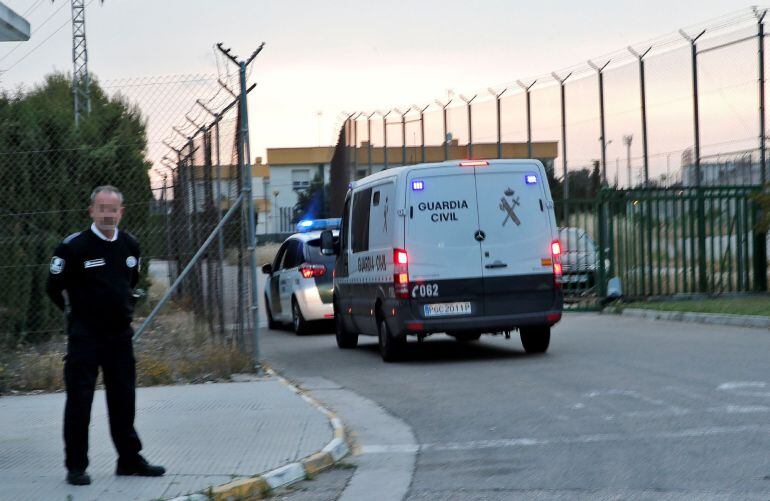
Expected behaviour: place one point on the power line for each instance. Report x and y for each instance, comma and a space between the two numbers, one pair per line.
31, 9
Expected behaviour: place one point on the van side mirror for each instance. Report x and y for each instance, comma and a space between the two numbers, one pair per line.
327, 243
267, 269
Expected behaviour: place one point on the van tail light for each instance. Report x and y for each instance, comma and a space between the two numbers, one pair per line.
557, 268
312, 270
401, 273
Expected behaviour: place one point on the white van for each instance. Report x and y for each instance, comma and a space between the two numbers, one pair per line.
461, 247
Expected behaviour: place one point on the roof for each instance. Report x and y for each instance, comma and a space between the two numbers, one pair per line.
451, 163
299, 156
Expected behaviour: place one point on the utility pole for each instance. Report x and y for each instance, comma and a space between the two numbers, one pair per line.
627, 141
81, 81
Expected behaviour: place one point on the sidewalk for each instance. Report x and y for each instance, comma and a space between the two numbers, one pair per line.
205, 435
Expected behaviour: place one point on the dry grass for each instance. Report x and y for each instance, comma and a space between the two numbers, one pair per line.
175, 350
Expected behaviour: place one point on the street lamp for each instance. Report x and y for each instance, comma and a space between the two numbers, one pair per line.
275, 209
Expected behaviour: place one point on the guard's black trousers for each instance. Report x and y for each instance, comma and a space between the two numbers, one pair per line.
86, 352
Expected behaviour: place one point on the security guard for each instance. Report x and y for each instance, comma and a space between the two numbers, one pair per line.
92, 277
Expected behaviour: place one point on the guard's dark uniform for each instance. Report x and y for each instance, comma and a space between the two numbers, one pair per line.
97, 276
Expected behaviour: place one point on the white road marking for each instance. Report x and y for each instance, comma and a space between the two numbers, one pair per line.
745, 388
739, 385
580, 439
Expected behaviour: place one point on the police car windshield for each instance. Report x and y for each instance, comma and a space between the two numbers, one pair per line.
314, 253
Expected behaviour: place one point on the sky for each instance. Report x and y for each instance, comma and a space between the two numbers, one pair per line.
344, 55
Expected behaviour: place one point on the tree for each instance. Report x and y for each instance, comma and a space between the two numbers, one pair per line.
47, 171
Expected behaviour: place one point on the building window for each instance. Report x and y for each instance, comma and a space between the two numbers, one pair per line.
300, 179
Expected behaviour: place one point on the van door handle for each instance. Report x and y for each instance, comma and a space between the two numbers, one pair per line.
496, 264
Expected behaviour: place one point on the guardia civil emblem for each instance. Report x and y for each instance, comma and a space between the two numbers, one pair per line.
507, 204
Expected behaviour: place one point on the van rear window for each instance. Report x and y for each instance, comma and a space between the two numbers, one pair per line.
359, 234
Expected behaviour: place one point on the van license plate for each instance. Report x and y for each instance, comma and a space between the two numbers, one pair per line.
444, 309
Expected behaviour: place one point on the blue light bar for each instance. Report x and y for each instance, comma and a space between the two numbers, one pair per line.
318, 224
418, 185
530, 179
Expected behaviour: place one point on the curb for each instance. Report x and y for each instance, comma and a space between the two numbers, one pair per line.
753, 321
259, 486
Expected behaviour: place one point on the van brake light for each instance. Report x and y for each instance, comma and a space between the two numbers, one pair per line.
474, 163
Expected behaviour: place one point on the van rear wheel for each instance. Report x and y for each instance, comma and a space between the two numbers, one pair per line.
535, 339
391, 348
345, 338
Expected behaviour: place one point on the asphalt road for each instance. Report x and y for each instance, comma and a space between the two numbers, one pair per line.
617, 409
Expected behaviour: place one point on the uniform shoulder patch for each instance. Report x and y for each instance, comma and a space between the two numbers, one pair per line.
57, 265
70, 238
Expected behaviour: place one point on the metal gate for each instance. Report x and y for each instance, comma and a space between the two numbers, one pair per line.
661, 242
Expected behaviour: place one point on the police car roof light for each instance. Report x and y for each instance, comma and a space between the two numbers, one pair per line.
306, 225
473, 163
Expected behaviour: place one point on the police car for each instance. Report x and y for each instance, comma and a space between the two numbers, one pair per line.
298, 288
460, 247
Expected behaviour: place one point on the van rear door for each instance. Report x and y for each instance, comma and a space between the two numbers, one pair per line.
515, 251
444, 257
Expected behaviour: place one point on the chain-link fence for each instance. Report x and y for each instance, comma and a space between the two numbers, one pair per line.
171, 145
632, 112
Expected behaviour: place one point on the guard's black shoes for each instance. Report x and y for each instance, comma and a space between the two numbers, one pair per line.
78, 478
140, 468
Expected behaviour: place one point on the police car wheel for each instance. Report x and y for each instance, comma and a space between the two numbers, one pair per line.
298, 322
345, 338
271, 323
535, 339
391, 348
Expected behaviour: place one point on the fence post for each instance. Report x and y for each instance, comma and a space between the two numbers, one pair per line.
244, 149
643, 95
470, 123
499, 119
355, 151
602, 234
422, 131
600, 71
220, 238
529, 116
369, 147
702, 276
565, 182
385, 138
403, 134
446, 137
762, 145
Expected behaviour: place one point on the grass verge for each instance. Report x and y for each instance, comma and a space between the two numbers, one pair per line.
748, 305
